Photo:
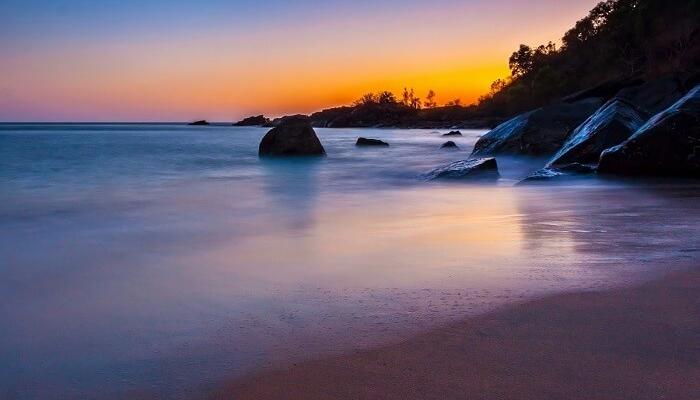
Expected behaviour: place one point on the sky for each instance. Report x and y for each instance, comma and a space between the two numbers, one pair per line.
157, 60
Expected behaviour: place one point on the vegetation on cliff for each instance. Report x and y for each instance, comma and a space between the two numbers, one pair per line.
620, 43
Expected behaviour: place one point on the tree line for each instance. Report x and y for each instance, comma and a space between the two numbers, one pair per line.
408, 99
618, 39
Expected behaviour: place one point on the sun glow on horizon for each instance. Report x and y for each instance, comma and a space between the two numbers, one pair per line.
119, 62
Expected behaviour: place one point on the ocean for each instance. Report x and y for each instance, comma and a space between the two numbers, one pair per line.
160, 260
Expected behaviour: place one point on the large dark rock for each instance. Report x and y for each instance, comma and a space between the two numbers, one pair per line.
258, 120
449, 145
654, 96
201, 122
453, 133
370, 142
667, 144
294, 136
472, 169
612, 124
539, 132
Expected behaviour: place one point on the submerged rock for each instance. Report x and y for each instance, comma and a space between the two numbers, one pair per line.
475, 168
549, 174
539, 132
370, 142
449, 145
667, 144
200, 122
258, 120
453, 133
294, 136
612, 124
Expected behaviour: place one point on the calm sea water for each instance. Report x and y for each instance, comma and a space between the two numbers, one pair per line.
159, 260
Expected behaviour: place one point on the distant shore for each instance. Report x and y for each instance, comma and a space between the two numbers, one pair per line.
625, 343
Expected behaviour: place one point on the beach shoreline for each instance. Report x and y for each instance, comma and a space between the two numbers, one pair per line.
628, 342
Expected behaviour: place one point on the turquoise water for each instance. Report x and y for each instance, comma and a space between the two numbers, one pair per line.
162, 259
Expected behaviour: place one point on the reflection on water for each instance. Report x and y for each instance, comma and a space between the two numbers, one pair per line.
128, 283
291, 186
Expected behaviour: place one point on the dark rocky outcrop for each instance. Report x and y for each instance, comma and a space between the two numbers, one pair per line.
370, 142
667, 144
273, 123
294, 136
201, 122
453, 133
605, 90
449, 145
374, 115
654, 96
471, 169
612, 124
549, 174
539, 132
258, 120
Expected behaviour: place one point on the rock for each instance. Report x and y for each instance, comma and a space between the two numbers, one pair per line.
475, 168
294, 136
537, 133
449, 145
370, 142
605, 90
273, 123
453, 133
612, 124
654, 96
200, 122
668, 144
551, 173
258, 120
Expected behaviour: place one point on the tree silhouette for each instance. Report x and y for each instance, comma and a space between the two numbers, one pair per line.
406, 97
430, 99
386, 97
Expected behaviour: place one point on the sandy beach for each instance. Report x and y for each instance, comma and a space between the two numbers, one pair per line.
641, 342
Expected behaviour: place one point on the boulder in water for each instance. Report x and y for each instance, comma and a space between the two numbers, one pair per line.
293, 136
449, 145
539, 132
471, 169
453, 133
612, 124
668, 144
370, 142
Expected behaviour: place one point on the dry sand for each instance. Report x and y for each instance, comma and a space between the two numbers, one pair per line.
631, 343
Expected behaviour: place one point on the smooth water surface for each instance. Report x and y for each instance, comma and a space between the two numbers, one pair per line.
158, 260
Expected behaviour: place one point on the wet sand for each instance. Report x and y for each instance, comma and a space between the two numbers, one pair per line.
641, 342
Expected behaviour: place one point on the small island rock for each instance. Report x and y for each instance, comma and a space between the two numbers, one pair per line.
258, 120
200, 122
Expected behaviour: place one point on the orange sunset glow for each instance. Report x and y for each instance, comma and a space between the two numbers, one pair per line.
298, 61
